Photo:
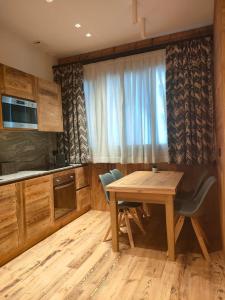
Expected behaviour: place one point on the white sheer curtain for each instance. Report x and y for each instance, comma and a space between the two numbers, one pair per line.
126, 109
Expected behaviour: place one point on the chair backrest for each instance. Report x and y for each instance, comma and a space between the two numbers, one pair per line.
202, 193
116, 174
200, 181
106, 179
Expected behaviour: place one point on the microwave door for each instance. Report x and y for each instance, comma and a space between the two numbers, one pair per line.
19, 113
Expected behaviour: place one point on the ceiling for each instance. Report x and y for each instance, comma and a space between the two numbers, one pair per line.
109, 21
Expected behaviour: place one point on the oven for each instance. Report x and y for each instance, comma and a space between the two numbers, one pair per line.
19, 113
64, 194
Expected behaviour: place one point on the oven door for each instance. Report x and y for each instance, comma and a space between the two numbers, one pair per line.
19, 113
64, 199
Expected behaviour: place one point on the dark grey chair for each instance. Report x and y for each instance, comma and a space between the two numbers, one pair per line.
116, 174
193, 193
124, 210
192, 208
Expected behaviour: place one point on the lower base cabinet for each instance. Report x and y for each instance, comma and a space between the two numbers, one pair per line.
38, 207
27, 213
9, 227
83, 197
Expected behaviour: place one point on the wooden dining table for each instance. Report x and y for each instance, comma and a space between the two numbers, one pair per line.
146, 187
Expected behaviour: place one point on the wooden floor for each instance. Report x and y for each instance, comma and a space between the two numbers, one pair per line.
73, 263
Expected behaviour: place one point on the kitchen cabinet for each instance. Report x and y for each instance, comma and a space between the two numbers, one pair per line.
27, 210
83, 197
46, 93
49, 106
83, 192
38, 206
9, 226
17, 83
82, 177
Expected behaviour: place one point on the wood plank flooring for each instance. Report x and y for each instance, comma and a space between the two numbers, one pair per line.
74, 263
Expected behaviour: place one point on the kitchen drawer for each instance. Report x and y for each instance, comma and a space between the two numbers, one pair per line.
82, 177
83, 197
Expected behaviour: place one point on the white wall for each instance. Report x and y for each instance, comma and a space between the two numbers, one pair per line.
17, 53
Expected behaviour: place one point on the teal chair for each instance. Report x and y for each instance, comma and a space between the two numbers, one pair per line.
145, 208
192, 208
116, 174
125, 210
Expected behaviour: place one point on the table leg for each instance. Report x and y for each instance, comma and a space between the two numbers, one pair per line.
170, 228
114, 221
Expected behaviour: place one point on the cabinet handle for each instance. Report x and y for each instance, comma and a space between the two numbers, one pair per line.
64, 186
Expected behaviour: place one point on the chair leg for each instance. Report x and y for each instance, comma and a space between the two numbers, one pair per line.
107, 233
109, 228
146, 210
137, 219
204, 235
198, 231
178, 227
120, 221
130, 236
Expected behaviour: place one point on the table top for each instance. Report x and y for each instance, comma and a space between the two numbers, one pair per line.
161, 182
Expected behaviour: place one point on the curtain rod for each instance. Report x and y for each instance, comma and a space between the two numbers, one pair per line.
132, 52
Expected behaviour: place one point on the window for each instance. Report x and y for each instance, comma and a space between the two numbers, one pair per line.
126, 109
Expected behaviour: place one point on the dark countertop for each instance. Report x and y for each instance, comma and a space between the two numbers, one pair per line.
19, 176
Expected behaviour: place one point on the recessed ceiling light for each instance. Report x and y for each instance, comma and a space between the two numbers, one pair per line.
49, 1
36, 42
77, 25
88, 34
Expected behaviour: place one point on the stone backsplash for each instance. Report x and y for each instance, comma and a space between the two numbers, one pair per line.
28, 150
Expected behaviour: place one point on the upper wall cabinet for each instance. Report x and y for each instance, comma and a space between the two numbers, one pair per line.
17, 83
49, 106
47, 94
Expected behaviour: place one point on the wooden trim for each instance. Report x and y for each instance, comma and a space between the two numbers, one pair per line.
137, 47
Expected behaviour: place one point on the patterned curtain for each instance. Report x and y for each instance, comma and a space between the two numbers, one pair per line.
189, 92
73, 141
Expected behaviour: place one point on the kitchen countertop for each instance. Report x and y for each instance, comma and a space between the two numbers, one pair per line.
5, 179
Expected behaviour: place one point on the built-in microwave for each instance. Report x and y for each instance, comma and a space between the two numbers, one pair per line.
19, 113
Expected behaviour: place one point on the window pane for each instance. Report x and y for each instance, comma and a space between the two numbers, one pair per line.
126, 109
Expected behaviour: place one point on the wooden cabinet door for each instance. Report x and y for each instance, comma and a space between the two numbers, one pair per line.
83, 197
38, 205
49, 107
82, 177
19, 84
9, 228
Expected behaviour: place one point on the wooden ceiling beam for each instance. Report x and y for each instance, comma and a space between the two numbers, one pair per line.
137, 47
